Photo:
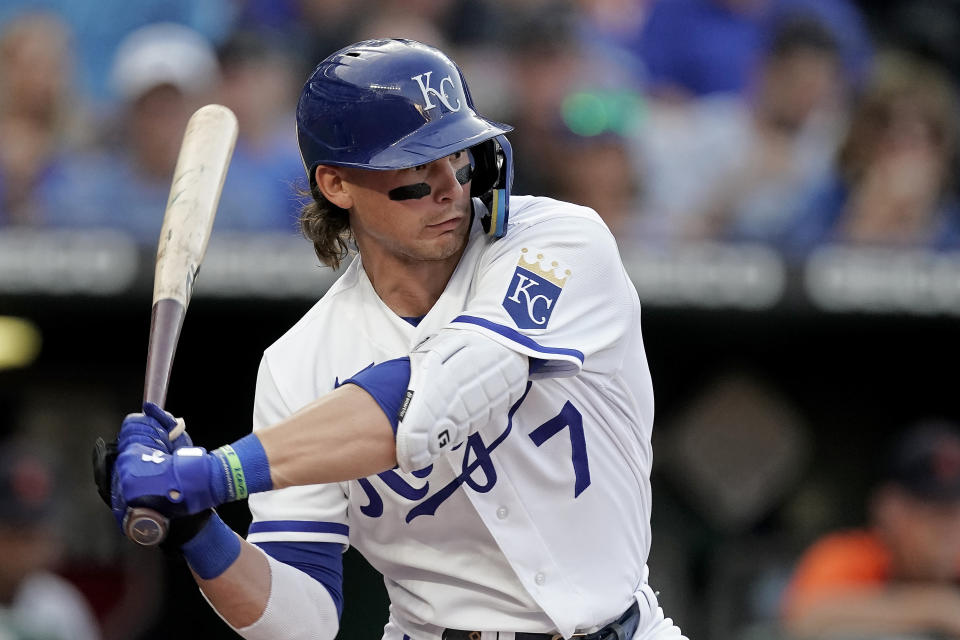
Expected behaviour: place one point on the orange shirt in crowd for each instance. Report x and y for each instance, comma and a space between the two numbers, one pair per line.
845, 561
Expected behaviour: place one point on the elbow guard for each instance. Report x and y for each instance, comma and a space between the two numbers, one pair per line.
459, 381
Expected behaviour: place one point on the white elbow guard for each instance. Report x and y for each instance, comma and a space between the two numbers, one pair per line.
459, 381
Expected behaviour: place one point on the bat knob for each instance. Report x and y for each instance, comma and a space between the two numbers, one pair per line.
145, 526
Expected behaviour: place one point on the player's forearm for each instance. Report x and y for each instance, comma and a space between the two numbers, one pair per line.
342, 436
898, 609
241, 592
264, 599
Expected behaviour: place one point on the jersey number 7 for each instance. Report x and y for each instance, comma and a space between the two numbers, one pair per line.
568, 417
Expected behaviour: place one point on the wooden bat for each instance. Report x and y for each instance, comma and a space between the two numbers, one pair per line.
194, 195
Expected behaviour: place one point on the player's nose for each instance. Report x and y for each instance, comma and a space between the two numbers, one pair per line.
445, 183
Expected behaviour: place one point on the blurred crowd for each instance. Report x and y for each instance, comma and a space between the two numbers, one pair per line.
792, 123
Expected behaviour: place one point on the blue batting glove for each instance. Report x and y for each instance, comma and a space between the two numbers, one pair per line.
152, 428
176, 484
187, 480
118, 506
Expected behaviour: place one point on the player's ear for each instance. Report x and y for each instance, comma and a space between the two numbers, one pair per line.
331, 185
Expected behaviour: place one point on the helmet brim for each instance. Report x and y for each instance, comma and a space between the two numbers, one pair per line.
433, 141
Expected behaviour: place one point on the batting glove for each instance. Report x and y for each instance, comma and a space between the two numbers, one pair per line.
177, 484
154, 428
206, 542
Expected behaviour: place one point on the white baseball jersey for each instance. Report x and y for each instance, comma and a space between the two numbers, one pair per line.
540, 520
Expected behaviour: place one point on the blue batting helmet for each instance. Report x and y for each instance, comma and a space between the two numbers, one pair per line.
394, 104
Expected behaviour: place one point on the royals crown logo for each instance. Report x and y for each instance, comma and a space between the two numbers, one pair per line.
534, 290
548, 274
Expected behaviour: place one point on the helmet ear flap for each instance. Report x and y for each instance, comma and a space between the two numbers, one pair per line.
492, 179
485, 169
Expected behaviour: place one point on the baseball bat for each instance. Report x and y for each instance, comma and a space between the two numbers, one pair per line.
202, 164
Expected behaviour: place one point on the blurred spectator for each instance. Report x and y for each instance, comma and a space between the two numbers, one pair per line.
161, 73
697, 47
559, 94
433, 11
571, 108
393, 20
544, 67
268, 15
788, 133
730, 167
893, 184
124, 584
260, 85
610, 25
35, 603
597, 173
929, 28
899, 576
40, 117
99, 27
477, 25
331, 25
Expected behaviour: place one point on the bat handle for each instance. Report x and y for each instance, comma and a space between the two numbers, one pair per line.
145, 526
166, 320
142, 525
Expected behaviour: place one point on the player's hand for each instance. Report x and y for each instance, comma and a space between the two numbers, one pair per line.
174, 484
180, 530
154, 428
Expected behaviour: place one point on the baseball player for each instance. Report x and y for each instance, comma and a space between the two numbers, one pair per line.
469, 405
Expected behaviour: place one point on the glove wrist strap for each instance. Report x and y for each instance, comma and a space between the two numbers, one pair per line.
242, 468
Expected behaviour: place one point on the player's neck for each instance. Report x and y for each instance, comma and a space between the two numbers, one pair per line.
409, 288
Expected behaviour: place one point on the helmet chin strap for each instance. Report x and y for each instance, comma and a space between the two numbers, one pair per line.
422, 189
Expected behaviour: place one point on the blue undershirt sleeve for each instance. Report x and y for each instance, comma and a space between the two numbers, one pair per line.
387, 383
322, 561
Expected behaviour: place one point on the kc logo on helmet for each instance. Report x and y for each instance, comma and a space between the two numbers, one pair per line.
533, 291
424, 81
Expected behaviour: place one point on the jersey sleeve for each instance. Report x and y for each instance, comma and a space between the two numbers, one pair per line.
322, 561
313, 513
556, 291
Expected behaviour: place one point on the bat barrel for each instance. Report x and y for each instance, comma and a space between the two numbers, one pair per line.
192, 204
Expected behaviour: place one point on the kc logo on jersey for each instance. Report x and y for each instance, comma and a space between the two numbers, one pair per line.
424, 81
534, 291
